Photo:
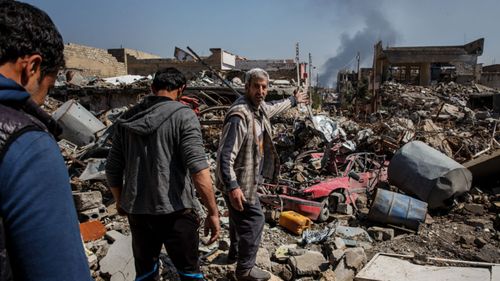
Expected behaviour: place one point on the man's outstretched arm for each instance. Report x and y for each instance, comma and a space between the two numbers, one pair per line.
203, 184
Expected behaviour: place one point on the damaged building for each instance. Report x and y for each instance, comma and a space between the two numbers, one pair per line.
423, 65
490, 76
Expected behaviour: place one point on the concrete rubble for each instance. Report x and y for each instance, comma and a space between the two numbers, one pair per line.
337, 166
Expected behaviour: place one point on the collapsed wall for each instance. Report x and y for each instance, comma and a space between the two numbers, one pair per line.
92, 61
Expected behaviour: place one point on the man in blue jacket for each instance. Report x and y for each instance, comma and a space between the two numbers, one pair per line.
39, 238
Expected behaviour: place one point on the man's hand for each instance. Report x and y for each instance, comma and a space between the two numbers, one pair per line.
301, 97
117, 192
212, 226
203, 184
119, 209
237, 198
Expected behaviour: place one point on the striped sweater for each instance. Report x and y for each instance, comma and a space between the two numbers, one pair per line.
246, 154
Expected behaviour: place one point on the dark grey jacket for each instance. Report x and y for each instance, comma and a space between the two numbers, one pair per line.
156, 145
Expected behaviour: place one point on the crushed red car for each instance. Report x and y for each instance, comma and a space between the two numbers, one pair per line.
361, 173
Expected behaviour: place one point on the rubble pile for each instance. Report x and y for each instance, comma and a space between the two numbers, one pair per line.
333, 165
442, 116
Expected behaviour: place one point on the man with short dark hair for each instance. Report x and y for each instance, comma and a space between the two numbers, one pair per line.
157, 155
246, 156
40, 237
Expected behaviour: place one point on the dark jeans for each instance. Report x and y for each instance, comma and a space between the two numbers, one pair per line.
245, 231
178, 232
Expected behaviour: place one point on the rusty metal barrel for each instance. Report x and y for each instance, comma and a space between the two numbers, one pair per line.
398, 209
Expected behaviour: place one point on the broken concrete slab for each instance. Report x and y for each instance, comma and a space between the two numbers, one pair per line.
113, 235
93, 214
343, 272
353, 232
355, 258
392, 267
87, 200
119, 261
310, 263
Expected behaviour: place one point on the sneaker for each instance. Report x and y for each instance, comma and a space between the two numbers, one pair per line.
254, 274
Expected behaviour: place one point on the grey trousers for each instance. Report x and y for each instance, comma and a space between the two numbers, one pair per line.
245, 232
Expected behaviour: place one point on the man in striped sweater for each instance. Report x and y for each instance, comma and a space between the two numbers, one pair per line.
246, 156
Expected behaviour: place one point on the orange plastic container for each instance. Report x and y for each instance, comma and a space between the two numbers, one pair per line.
294, 222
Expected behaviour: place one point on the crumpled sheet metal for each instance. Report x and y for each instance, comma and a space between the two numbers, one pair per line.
95, 170
428, 174
317, 236
328, 127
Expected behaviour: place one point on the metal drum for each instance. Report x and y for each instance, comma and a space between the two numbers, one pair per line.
398, 209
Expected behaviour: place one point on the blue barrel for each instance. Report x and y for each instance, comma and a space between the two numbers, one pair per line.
398, 209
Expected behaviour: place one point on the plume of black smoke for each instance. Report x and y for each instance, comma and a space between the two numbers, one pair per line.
376, 28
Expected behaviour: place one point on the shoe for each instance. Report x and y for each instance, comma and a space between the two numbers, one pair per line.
232, 256
230, 259
254, 274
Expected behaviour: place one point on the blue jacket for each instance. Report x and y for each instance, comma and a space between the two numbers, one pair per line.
41, 226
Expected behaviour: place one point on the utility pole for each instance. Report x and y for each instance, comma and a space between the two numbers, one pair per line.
309, 79
358, 57
310, 70
297, 58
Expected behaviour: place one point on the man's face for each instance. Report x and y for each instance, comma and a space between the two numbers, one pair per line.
256, 91
38, 89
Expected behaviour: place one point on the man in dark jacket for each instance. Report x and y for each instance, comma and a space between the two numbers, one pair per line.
40, 234
156, 157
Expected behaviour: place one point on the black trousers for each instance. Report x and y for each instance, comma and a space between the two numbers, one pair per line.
178, 232
245, 232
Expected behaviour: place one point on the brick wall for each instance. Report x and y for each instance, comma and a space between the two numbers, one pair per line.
140, 55
189, 68
92, 61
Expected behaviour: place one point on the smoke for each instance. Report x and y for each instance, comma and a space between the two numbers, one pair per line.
376, 28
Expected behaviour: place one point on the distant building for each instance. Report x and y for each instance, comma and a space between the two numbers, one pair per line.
92, 61
490, 76
284, 69
422, 65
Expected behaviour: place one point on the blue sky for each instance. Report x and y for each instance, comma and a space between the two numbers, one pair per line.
261, 29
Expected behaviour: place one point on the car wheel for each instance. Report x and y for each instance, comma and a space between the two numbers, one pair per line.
325, 212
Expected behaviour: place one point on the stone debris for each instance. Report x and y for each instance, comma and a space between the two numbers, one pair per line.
381, 233
87, 200
353, 260
119, 261
310, 263
345, 153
